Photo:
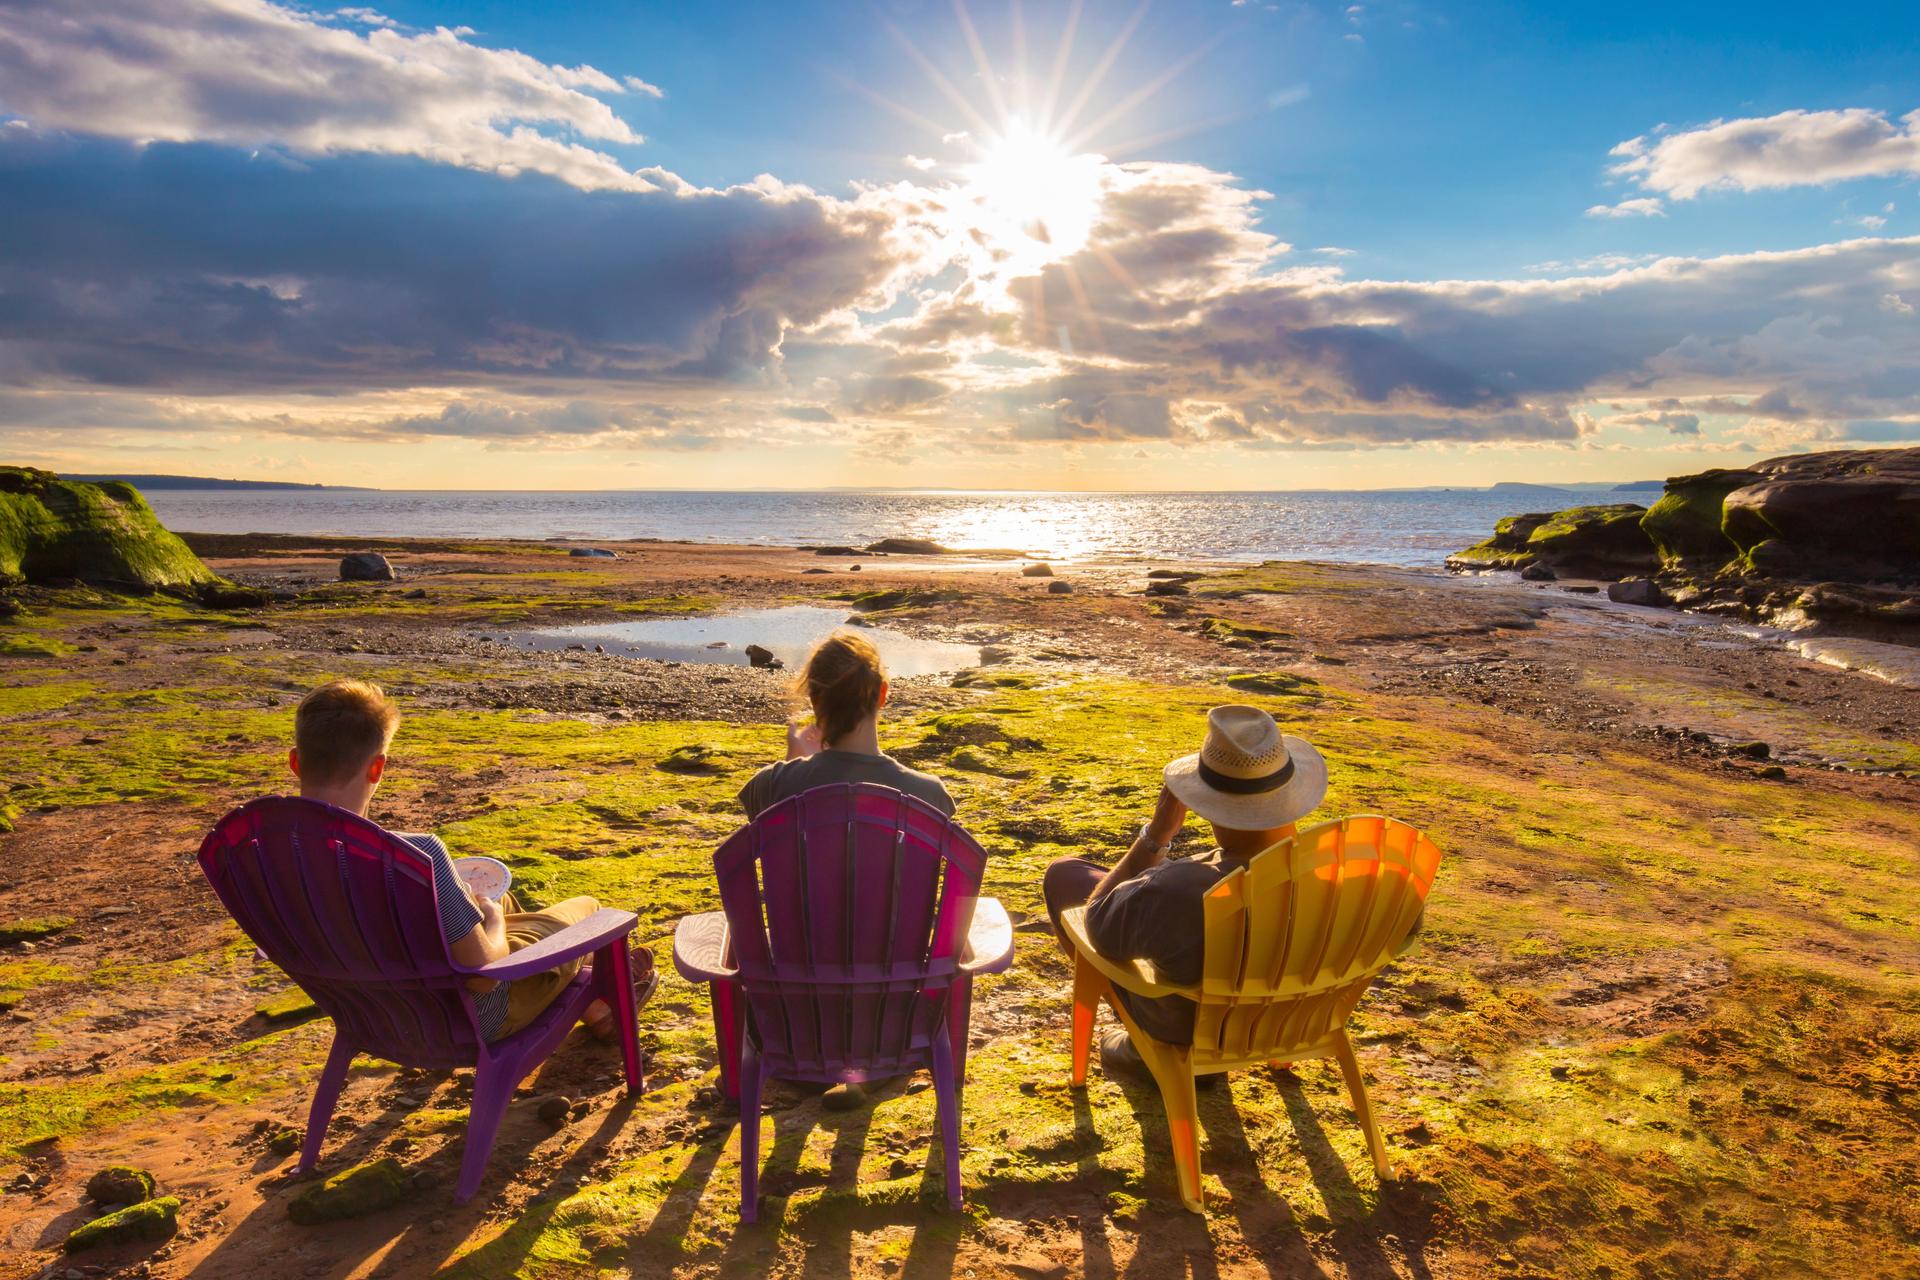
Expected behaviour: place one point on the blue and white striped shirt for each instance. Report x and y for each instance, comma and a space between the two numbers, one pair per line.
457, 919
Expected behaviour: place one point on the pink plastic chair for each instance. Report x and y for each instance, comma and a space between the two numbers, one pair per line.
347, 911
852, 930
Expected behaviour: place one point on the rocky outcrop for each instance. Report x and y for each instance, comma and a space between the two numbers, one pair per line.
54, 530
1585, 542
1826, 541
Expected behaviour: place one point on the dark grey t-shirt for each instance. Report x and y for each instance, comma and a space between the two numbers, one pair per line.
1157, 916
790, 777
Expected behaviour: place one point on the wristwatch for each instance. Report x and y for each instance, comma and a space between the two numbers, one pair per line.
1161, 847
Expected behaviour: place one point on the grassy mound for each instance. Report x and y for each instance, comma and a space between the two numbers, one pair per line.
53, 529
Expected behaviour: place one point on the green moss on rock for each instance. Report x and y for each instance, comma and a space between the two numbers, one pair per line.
32, 930
148, 1220
121, 1184
290, 1005
352, 1193
1602, 540
53, 529
1686, 524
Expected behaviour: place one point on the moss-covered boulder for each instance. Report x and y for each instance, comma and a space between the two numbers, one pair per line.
352, 1193
121, 1184
1596, 541
1849, 515
148, 1220
1685, 524
53, 530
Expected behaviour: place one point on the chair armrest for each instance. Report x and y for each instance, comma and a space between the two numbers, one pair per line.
700, 945
989, 940
1137, 976
596, 931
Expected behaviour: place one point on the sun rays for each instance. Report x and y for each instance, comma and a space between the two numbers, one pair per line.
1024, 196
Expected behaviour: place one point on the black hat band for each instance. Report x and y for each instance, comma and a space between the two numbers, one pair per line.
1247, 786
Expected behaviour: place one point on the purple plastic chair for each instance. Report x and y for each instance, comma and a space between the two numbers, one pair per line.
347, 911
852, 931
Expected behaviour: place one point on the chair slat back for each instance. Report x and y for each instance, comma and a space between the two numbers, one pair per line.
1294, 938
848, 906
347, 911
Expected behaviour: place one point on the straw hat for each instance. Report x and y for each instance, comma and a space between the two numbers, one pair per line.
1247, 775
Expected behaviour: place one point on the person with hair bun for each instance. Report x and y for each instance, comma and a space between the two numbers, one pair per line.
845, 684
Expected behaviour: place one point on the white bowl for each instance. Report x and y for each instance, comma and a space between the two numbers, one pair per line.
487, 877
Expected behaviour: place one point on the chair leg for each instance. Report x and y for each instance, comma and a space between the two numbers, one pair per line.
749, 1084
1362, 1106
1172, 1069
1088, 986
326, 1093
960, 1023
946, 1094
613, 983
492, 1090
725, 999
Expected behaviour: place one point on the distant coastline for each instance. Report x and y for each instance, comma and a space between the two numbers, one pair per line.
205, 482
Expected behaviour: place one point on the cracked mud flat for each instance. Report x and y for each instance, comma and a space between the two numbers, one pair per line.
1664, 1021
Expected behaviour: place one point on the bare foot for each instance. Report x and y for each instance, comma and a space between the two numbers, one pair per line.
598, 1016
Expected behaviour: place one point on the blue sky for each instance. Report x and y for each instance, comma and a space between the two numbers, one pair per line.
1446, 140
1279, 245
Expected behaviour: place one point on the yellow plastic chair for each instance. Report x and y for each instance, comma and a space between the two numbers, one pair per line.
1293, 940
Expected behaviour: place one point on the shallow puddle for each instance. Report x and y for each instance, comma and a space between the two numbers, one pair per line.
722, 638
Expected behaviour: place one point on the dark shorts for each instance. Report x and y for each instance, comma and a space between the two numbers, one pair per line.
1068, 883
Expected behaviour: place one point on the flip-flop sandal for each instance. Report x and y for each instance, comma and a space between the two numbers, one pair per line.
646, 980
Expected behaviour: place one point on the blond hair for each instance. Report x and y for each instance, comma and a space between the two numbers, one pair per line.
842, 680
340, 727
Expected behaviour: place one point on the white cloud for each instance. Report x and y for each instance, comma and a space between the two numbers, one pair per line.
251, 73
1791, 149
1641, 207
920, 163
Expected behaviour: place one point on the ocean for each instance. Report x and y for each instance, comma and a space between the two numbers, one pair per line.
1399, 527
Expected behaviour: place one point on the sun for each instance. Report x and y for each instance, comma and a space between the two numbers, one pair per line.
1032, 200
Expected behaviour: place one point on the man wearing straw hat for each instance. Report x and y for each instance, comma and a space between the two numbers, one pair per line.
1253, 783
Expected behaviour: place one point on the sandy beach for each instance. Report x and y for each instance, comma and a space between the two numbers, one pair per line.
1663, 1020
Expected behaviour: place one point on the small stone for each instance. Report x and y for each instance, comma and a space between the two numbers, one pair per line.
1640, 591
1037, 571
352, 1193
284, 1142
843, 1097
1752, 750
1059, 588
760, 656
120, 1184
365, 566
591, 553
1771, 772
418, 593
1168, 589
853, 568
1538, 572
555, 1111
148, 1220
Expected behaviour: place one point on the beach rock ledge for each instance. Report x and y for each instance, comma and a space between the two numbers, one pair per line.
1825, 540
54, 531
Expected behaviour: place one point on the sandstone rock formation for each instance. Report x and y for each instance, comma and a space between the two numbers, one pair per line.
1584, 542
1826, 540
54, 530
